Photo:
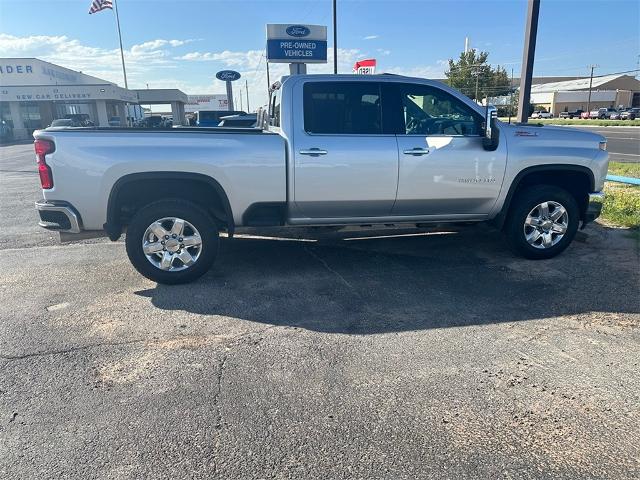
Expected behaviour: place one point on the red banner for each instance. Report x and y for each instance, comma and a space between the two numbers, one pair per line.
365, 67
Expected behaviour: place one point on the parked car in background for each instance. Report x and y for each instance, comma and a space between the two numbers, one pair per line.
584, 115
610, 112
574, 114
211, 118
541, 114
79, 119
249, 120
600, 113
615, 115
64, 122
154, 121
72, 122
630, 113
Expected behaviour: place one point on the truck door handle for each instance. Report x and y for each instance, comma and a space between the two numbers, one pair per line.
417, 151
313, 152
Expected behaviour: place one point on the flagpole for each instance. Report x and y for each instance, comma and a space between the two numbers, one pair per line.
124, 70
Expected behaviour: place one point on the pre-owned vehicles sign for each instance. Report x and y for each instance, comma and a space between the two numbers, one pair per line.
292, 43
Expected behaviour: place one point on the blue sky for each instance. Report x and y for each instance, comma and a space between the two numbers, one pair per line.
182, 43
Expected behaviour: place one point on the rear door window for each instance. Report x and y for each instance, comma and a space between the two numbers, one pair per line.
344, 108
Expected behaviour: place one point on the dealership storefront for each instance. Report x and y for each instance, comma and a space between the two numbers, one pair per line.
33, 93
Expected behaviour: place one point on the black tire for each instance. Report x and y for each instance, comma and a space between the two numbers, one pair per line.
185, 210
525, 201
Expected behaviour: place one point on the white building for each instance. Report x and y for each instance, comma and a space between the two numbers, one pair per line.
33, 93
606, 91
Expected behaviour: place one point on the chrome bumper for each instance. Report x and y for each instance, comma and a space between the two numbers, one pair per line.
58, 216
594, 207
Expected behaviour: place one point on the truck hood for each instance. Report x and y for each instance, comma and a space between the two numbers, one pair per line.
551, 135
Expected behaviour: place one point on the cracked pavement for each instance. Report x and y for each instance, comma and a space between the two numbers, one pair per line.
312, 354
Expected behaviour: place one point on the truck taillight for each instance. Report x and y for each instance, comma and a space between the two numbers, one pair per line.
42, 148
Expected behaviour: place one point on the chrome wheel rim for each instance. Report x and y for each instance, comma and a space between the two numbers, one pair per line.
172, 244
546, 224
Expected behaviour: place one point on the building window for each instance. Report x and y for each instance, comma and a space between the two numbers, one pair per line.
31, 115
65, 109
5, 114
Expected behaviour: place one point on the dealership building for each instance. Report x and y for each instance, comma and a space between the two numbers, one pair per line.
33, 93
609, 91
561, 94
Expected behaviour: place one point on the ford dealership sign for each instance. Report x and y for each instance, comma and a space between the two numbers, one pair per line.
296, 43
227, 75
298, 31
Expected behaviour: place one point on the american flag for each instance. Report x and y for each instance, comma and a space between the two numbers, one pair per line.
99, 5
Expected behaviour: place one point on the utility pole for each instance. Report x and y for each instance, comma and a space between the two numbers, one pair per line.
268, 83
590, 84
511, 97
335, 38
477, 77
528, 55
246, 86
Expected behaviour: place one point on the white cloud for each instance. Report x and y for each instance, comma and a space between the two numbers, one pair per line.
383, 51
421, 71
100, 62
156, 44
371, 37
226, 57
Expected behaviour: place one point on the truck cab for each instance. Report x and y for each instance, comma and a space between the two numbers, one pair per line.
382, 147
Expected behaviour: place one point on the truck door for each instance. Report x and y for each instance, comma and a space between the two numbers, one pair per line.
443, 168
344, 166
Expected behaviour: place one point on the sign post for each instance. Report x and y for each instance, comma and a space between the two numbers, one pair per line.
296, 45
228, 76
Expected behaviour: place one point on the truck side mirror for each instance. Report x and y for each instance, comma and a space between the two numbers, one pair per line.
491, 132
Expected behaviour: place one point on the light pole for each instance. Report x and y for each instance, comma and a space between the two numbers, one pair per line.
335, 38
246, 86
511, 96
590, 84
477, 77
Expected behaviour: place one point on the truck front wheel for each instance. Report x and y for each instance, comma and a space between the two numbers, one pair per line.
542, 222
172, 241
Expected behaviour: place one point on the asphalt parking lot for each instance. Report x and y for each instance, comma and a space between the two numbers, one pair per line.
302, 354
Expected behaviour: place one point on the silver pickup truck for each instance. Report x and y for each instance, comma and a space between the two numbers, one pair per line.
337, 150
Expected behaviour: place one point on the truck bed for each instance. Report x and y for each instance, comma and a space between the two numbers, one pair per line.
249, 164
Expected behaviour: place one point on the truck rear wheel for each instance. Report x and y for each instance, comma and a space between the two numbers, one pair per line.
172, 241
542, 222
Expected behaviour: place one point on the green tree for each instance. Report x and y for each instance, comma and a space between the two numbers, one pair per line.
471, 73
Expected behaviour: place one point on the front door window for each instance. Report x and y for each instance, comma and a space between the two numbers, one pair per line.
431, 111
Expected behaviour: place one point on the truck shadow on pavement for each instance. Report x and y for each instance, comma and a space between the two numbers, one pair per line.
377, 282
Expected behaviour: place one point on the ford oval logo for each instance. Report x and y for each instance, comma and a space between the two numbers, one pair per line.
227, 75
298, 31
